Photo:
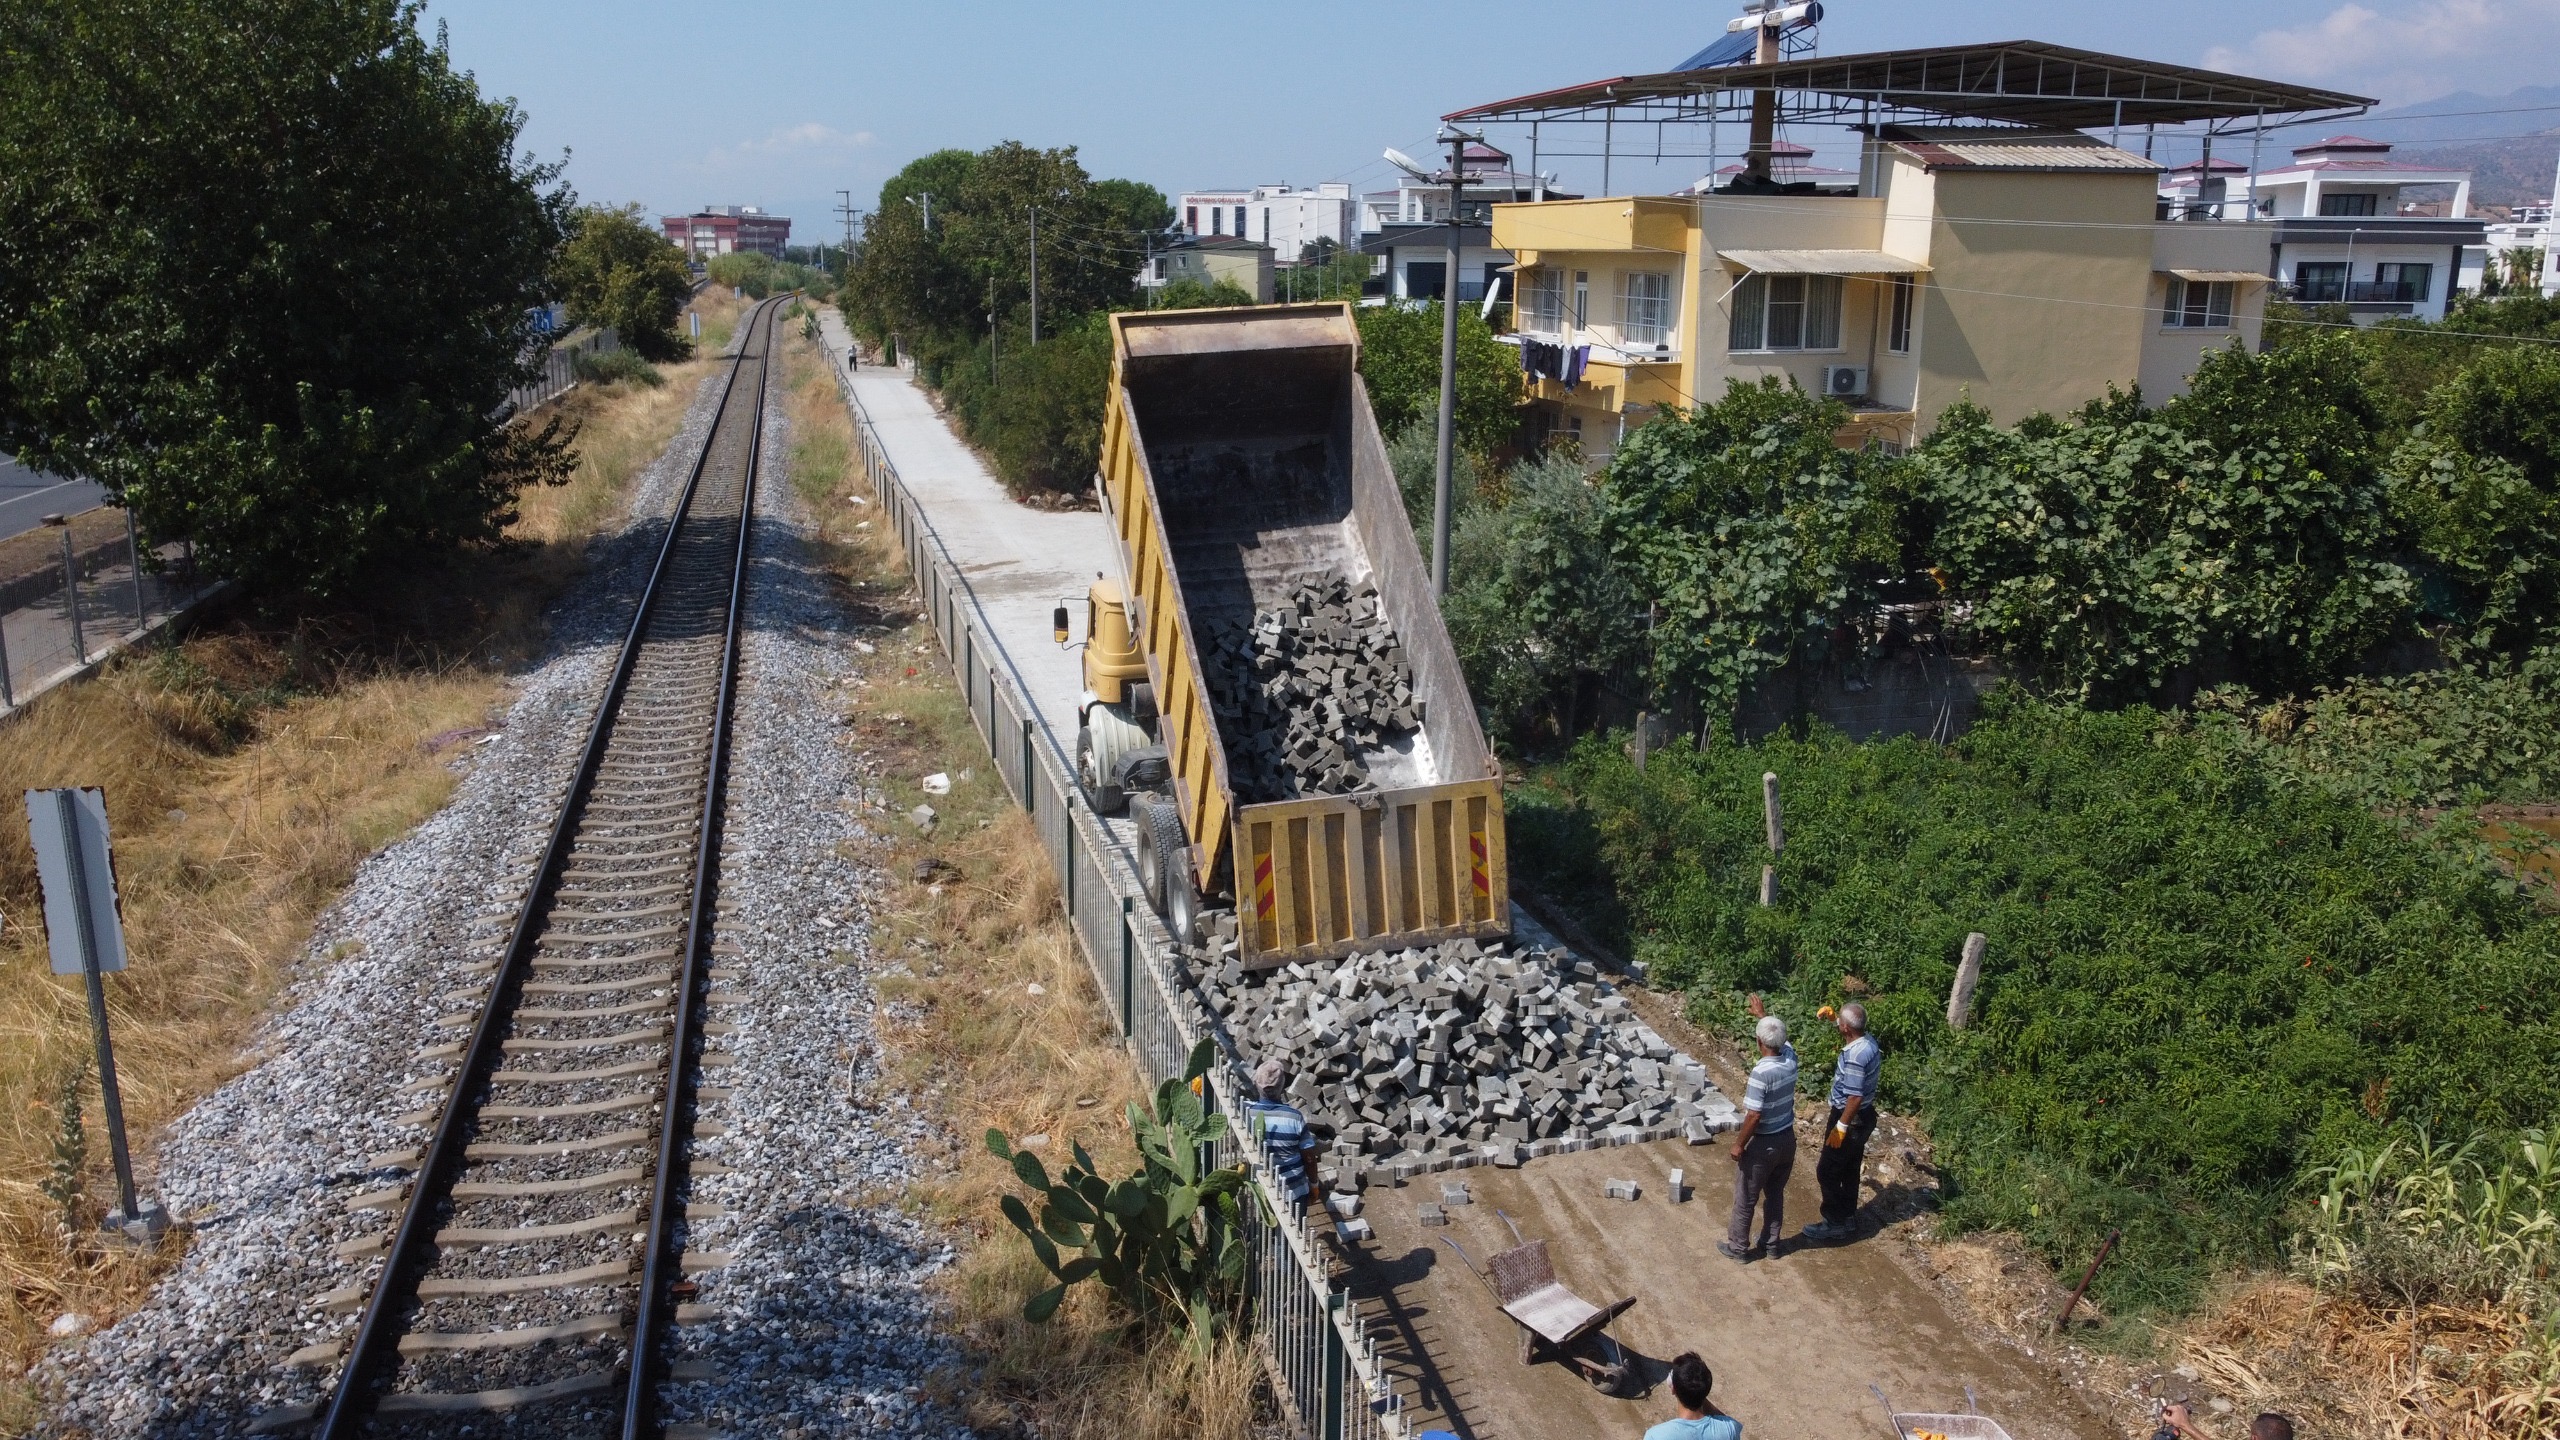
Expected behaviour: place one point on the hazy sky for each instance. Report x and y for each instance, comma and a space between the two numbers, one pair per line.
676, 106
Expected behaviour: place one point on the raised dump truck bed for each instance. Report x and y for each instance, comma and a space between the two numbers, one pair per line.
1239, 456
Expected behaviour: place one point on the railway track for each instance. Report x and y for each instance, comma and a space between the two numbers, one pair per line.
533, 1264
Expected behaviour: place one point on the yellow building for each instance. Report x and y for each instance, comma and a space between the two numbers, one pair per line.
1988, 248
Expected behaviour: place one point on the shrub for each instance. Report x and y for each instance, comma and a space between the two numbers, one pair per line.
606, 367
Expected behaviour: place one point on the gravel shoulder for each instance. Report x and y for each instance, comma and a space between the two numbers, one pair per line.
822, 1324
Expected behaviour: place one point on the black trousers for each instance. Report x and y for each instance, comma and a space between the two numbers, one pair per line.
1839, 1168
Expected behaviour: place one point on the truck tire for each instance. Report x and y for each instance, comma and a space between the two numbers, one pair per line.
1142, 809
1176, 896
1100, 790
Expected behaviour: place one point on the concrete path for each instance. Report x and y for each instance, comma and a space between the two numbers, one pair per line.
1019, 562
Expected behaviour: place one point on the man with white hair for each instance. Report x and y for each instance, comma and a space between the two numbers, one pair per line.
1764, 1149
1853, 1119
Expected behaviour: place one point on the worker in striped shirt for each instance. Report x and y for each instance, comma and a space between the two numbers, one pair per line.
1853, 1119
1764, 1149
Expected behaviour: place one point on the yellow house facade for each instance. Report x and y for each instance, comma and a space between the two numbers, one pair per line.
2024, 271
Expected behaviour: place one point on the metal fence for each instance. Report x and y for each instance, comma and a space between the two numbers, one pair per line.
1323, 1365
560, 368
84, 604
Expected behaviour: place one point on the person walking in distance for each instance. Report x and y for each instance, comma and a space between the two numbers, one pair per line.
1853, 1119
1764, 1149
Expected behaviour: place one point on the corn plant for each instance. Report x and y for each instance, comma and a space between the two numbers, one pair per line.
2426, 1220
1167, 1241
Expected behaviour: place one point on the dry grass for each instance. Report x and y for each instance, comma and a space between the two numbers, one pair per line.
1006, 1028
248, 770
2352, 1369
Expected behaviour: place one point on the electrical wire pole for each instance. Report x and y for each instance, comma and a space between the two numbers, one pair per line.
1035, 275
1442, 478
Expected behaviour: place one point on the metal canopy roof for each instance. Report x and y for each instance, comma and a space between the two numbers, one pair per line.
2024, 82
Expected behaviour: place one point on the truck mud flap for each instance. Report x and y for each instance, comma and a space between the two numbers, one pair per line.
1319, 878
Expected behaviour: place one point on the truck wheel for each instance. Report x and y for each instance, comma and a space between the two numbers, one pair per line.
1100, 791
1176, 895
1150, 865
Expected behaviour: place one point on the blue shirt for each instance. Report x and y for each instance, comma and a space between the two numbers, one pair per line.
1284, 1142
1772, 1092
1713, 1427
1856, 1072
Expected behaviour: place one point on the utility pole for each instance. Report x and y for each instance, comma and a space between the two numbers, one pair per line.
1442, 478
924, 200
1035, 275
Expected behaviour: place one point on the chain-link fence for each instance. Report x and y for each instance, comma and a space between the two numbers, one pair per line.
1323, 1366
83, 602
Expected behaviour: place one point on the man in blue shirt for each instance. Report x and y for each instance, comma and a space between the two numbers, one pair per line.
1853, 1119
1282, 1128
1690, 1382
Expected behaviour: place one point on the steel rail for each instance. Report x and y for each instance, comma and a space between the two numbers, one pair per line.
377, 1333
640, 1400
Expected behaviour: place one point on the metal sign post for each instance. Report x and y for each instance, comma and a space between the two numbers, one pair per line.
85, 933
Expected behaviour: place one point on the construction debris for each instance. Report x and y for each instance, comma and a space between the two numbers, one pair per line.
1621, 1190
1679, 1186
1308, 688
1457, 1054
1430, 1214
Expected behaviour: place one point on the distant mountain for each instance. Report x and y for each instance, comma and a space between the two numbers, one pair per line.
2510, 143
2464, 118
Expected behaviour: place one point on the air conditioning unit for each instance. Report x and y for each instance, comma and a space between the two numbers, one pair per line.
1844, 382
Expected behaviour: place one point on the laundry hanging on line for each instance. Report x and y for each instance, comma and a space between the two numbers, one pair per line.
1564, 364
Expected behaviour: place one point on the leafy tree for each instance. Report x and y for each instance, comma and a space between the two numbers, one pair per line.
1133, 208
2478, 490
1537, 605
1400, 360
266, 275
1754, 535
615, 271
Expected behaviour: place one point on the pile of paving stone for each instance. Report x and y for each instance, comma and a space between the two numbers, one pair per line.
1306, 688
1459, 1054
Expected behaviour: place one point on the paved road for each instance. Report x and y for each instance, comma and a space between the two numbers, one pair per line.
27, 497
1019, 562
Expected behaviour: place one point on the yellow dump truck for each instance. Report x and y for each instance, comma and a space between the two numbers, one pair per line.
1240, 458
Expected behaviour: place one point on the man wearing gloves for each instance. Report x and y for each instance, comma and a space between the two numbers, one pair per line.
1764, 1149
1853, 1119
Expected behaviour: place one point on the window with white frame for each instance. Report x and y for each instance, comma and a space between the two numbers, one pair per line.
1644, 308
1785, 312
1544, 311
1897, 335
2197, 305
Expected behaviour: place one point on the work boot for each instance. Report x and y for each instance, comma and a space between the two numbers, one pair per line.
1731, 1251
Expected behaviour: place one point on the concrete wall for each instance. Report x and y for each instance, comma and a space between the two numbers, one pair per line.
2170, 355
2023, 315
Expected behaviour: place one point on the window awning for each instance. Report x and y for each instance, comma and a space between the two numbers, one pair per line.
2236, 277
1820, 262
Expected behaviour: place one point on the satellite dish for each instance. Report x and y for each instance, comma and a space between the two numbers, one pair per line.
1405, 162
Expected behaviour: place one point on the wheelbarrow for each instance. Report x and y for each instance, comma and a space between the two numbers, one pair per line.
1937, 1425
1553, 1318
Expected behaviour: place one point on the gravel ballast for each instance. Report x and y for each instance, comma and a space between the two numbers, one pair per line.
813, 1316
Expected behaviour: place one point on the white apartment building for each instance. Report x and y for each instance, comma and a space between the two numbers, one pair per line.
2342, 231
1284, 217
